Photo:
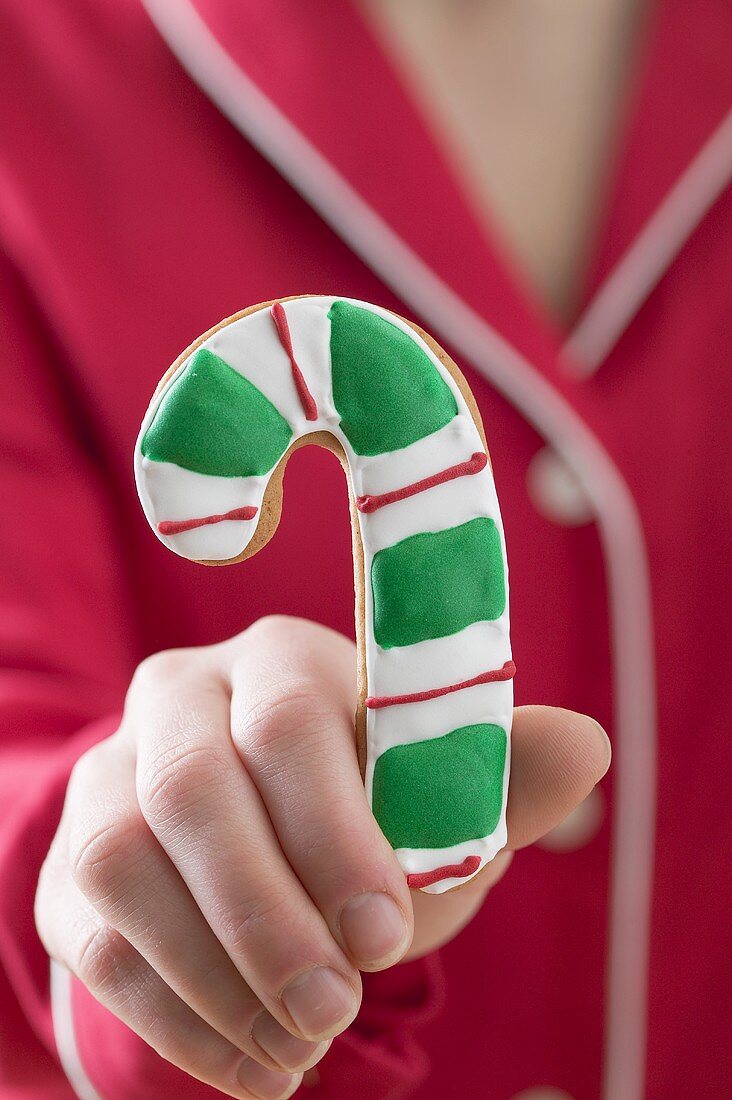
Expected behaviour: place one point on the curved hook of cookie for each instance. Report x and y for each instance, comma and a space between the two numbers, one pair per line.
435, 697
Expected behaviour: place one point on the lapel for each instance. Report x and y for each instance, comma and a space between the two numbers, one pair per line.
679, 97
319, 64
672, 165
321, 69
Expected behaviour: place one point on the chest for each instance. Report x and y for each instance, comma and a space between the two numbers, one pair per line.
527, 100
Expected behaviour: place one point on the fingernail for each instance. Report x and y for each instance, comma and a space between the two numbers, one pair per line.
320, 1002
263, 1082
287, 1050
374, 929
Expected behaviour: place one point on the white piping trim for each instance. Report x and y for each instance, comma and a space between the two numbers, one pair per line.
652, 252
621, 532
63, 1029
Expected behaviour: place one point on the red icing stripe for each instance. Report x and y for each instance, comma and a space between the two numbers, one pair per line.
283, 331
474, 465
455, 870
507, 672
178, 526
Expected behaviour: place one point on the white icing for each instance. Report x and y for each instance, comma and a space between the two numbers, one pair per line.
413, 860
408, 669
381, 473
251, 346
409, 722
464, 499
177, 494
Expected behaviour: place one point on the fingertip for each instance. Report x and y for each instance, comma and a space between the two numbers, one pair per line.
375, 930
288, 1052
265, 1084
545, 736
604, 744
558, 756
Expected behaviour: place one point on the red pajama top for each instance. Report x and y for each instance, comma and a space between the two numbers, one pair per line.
154, 179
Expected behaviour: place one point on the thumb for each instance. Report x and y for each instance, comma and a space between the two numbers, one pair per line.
557, 757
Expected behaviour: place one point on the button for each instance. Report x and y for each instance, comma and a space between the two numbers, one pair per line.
555, 491
579, 827
544, 1092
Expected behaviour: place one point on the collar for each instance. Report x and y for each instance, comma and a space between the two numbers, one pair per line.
322, 70
318, 65
673, 161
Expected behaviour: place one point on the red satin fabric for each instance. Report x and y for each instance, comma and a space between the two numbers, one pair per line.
133, 216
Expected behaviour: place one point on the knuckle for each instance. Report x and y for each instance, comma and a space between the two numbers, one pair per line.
296, 716
280, 635
177, 781
45, 906
86, 771
103, 959
271, 916
340, 849
168, 664
271, 628
100, 859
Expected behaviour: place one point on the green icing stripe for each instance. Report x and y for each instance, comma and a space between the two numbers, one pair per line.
214, 421
437, 583
387, 390
437, 793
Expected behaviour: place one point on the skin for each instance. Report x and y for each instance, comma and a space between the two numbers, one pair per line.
528, 101
208, 851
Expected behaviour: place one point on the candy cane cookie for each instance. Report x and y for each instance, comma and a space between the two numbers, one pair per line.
435, 698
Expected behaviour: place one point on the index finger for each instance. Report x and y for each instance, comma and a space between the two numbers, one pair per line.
293, 697
206, 813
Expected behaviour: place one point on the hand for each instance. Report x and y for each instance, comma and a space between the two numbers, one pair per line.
217, 879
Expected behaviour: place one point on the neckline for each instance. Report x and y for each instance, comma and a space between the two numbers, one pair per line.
298, 62
620, 129
319, 66
660, 135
